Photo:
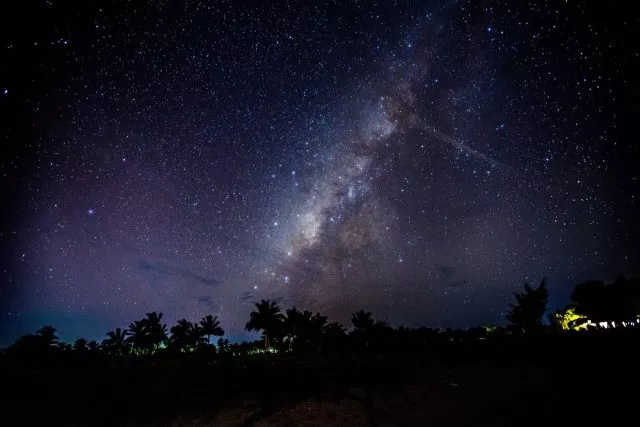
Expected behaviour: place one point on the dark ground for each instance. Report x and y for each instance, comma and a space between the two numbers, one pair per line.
584, 379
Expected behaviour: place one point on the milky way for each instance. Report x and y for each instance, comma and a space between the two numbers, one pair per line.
418, 161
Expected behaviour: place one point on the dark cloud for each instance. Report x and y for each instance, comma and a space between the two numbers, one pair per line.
166, 270
208, 301
246, 296
458, 283
447, 271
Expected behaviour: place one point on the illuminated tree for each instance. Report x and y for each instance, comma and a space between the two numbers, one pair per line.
267, 318
568, 319
211, 327
618, 301
526, 314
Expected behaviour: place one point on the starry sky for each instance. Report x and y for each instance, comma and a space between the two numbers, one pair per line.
416, 159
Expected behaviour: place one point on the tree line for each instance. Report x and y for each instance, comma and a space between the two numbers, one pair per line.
594, 304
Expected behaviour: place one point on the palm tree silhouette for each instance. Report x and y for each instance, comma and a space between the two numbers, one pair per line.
48, 335
211, 326
334, 329
116, 341
334, 335
362, 321
80, 345
304, 329
364, 327
138, 335
196, 336
266, 318
179, 335
526, 314
156, 332
93, 346
223, 346
64, 346
292, 324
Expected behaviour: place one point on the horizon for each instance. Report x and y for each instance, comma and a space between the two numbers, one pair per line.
246, 336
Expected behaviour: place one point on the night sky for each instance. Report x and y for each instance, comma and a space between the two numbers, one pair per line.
417, 160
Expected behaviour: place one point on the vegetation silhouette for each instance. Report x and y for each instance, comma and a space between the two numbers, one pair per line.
211, 327
155, 374
608, 303
268, 319
527, 313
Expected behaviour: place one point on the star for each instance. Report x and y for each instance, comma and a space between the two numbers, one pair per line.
403, 152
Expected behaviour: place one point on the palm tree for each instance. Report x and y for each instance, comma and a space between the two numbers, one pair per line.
316, 329
362, 321
80, 345
63, 346
138, 335
223, 346
156, 331
266, 318
93, 346
196, 336
211, 326
526, 314
116, 341
364, 327
48, 335
303, 328
334, 329
334, 335
292, 322
179, 335
318, 323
